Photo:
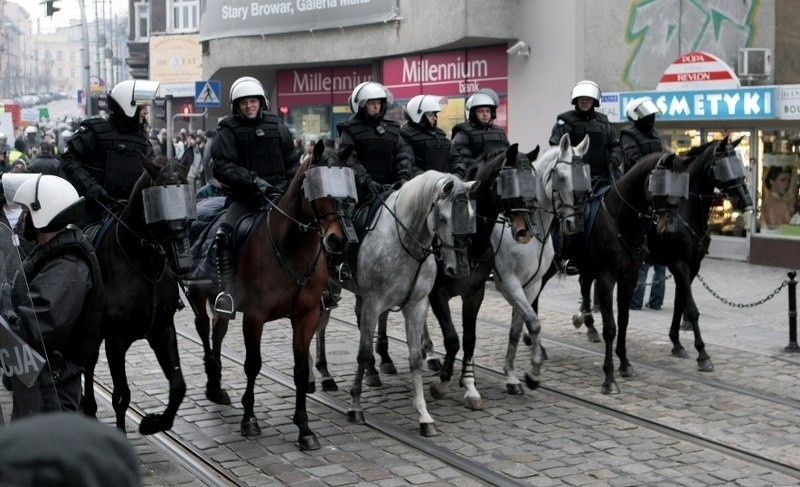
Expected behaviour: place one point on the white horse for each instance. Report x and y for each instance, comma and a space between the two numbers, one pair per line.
396, 269
563, 184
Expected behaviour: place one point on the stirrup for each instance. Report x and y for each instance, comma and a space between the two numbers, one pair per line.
329, 300
343, 272
223, 306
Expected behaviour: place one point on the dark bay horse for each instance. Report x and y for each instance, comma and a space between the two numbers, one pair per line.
210, 326
514, 202
714, 165
281, 272
614, 248
138, 264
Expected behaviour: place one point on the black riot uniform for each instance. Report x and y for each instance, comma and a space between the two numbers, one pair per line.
474, 137
430, 145
66, 305
604, 147
380, 157
638, 140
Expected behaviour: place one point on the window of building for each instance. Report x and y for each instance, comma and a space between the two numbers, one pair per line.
142, 21
183, 16
59, 55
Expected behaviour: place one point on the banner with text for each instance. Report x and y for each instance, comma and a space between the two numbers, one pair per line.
757, 103
320, 86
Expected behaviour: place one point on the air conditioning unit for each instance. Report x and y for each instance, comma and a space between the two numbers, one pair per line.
754, 62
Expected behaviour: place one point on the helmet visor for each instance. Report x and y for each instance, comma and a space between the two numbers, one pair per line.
646, 108
144, 91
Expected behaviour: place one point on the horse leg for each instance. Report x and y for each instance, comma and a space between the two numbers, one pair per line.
534, 328
373, 377
165, 346
513, 384
469, 312
303, 328
88, 400
368, 318
252, 328
116, 348
704, 363
211, 360
584, 316
441, 310
605, 291
434, 364
387, 365
624, 296
328, 383
682, 284
415, 315
214, 390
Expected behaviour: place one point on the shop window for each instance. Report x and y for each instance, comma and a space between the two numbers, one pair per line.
778, 200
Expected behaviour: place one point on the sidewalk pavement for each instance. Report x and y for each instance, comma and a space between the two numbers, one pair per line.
752, 323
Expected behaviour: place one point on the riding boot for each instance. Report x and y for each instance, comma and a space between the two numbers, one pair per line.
330, 299
223, 304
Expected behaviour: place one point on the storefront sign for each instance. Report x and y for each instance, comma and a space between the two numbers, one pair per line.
322, 86
239, 18
176, 59
448, 73
609, 106
788, 102
698, 71
742, 104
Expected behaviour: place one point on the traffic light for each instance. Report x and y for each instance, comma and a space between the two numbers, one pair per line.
50, 7
186, 109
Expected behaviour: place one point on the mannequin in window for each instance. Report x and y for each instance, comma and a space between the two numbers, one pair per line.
775, 209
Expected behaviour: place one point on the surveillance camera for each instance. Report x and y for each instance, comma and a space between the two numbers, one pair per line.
521, 48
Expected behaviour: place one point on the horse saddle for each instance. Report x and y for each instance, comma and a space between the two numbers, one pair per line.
569, 247
363, 222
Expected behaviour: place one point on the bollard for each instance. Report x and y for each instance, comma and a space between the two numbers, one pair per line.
792, 346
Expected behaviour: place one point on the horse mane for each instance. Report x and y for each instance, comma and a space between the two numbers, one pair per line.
297, 179
416, 195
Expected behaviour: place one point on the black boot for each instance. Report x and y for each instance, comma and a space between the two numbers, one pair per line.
223, 305
330, 299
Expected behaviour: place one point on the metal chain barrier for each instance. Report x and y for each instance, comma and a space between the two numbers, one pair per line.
742, 305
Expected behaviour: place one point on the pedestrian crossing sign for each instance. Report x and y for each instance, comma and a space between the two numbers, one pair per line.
206, 94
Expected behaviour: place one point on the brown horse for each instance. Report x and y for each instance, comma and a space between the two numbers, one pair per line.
281, 272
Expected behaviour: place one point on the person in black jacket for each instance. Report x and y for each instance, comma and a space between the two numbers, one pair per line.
430, 144
478, 135
45, 162
253, 154
605, 154
102, 157
61, 320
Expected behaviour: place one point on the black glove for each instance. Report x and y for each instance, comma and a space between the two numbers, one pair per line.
375, 187
262, 186
399, 183
95, 191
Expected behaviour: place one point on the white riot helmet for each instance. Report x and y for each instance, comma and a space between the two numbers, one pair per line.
418, 106
53, 202
247, 87
31, 130
369, 90
586, 88
638, 108
126, 97
485, 97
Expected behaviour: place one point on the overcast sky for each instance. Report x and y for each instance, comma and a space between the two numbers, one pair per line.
70, 10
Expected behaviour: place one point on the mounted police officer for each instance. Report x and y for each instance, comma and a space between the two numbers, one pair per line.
478, 135
102, 157
605, 155
252, 155
61, 320
380, 156
430, 144
639, 140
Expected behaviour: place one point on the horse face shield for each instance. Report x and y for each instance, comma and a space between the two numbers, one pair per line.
573, 193
463, 224
517, 189
667, 189
729, 173
169, 210
339, 184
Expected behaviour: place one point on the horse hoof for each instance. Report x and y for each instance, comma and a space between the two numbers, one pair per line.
705, 365
626, 371
218, 396
515, 389
593, 336
373, 380
611, 388
355, 417
439, 390
329, 385
388, 368
308, 442
250, 427
428, 429
311, 388
686, 325
434, 364
473, 403
680, 353
577, 320
532, 383
152, 424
